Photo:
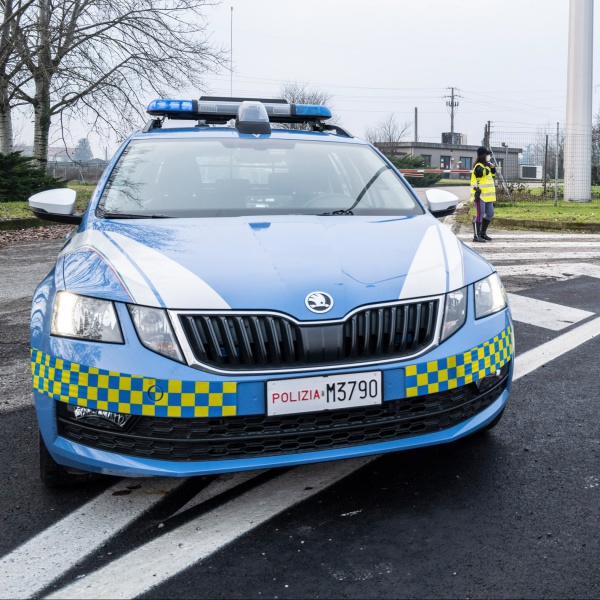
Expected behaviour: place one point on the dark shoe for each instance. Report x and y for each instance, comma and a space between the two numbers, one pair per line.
476, 232
484, 225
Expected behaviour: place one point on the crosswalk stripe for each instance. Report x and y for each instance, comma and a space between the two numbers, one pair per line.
517, 244
534, 236
171, 553
541, 355
543, 256
554, 270
545, 314
35, 564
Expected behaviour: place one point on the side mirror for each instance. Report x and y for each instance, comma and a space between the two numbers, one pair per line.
441, 203
55, 205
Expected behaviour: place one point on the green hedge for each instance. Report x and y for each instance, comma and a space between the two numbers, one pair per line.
21, 177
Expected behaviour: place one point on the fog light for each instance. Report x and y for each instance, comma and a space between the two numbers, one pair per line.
491, 380
98, 418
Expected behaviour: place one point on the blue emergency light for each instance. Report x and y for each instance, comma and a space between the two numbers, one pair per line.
182, 109
217, 110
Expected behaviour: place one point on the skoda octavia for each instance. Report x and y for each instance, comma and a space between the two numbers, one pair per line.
252, 287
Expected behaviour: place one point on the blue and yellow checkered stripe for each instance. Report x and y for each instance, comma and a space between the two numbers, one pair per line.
73, 383
460, 369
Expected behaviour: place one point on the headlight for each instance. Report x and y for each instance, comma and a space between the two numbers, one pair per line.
490, 296
155, 331
85, 318
455, 312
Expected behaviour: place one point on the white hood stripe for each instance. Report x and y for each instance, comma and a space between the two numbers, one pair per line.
455, 263
175, 284
427, 273
134, 281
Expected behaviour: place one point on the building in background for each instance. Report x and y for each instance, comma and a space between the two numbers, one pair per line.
58, 154
453, 153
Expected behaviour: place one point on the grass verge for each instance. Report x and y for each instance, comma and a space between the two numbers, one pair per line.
567, 216
20, 210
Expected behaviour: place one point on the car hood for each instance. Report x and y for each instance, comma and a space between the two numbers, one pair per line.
244, 263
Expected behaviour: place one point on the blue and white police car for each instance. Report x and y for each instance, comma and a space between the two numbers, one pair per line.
241, 294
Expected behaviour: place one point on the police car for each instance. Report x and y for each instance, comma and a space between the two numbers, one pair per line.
241, 294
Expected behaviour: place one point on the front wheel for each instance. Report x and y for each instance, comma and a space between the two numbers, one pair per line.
54, 475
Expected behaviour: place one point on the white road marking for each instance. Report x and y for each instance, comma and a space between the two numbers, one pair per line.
545, 314
535, 236
544, 256
541, 244
223, 483
37, 563
541, 355
164, 557
556, 270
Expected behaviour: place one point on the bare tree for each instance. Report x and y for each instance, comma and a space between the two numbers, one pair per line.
12, 74
98, 59
387, 130
300, 93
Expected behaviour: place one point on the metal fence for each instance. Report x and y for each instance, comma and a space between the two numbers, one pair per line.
80, 172
533, 162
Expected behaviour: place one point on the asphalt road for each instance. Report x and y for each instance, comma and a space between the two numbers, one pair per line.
508, 514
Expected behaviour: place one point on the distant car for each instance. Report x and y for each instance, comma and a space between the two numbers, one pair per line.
251, 296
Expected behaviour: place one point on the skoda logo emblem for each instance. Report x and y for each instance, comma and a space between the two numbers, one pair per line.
319, 302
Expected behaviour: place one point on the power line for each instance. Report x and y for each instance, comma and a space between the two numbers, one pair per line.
452, 104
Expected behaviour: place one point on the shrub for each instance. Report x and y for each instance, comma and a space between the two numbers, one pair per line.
21, 177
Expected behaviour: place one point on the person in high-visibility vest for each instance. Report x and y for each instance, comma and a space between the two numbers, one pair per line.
483, 194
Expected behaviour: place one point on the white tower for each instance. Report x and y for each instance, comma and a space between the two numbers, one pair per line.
578, 128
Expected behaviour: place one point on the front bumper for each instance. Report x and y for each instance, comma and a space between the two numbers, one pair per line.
85, 458
407, 387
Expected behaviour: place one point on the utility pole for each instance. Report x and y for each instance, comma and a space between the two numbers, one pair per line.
556, 166
231, 53
452, 104
578, 128
416, 125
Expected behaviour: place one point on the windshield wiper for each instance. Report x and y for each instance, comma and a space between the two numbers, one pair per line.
117, 215
348, 211
345, 211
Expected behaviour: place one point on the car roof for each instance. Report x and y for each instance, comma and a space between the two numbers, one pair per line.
231, 132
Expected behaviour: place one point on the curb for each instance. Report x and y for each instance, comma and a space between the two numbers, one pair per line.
547, 225
526, 225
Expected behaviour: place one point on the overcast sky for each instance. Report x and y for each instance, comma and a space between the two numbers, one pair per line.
507, 59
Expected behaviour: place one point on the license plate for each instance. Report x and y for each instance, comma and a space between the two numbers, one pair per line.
332, 392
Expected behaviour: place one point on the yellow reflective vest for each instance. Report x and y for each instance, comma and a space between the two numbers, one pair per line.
485, 184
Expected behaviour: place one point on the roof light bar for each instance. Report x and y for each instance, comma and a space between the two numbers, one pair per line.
252, 118
221, 110
182, 109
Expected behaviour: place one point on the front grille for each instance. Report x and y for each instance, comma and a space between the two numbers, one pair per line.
258, 435
265, 341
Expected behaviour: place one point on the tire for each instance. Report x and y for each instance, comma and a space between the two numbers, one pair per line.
55, 476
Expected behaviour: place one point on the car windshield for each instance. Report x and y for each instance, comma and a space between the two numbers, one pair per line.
233, 176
